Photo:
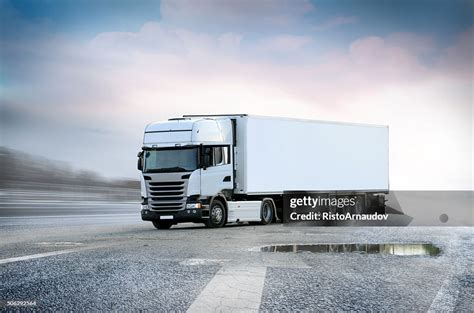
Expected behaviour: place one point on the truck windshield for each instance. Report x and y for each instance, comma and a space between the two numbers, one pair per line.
171, 160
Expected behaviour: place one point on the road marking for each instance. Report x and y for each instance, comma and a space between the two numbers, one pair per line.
53, 253
60, 243
194, 262
232, 289
447, 296
37, 256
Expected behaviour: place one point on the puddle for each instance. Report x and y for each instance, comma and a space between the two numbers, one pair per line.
393, 249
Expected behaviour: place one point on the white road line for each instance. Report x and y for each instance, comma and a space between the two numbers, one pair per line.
447, 296
194, 262
233, 289
37, 256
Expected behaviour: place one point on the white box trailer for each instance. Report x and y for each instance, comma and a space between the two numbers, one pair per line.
279, 154
218, 169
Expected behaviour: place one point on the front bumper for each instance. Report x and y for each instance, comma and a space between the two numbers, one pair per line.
186, 215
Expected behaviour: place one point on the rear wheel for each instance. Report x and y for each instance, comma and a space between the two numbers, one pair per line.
359, 207
217, 215
162, 224
267, 211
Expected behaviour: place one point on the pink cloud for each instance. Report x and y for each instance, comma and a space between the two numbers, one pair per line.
162, 71
283, 43
458, 59
379, 59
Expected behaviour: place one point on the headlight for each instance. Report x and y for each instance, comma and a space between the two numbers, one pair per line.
193, 205
144, 206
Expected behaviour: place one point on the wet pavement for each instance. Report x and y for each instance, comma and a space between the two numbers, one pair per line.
121, 263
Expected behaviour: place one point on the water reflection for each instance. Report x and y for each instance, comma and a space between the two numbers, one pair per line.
386, 248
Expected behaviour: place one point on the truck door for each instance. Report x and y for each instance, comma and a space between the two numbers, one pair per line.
217, 172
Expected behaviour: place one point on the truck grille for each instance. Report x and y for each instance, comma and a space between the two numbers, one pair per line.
167, 195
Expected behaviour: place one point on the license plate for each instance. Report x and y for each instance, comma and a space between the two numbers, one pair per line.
166, 217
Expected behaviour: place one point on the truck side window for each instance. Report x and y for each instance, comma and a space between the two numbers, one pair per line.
225, 155
214, 156
221, 155
218, 156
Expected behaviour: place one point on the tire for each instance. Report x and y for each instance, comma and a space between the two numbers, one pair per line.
162, 224
217, 215
359, 207
267, 211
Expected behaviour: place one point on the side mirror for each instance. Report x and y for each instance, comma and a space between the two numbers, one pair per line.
201, 158
205, 157
140, 161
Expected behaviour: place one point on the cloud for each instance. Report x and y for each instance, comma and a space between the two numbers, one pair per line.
335, 22
458, 58
414, 43
230, 42
283, 43
376, 57
120, 81
223, 15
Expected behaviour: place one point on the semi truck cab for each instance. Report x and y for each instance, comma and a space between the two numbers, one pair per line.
188, 174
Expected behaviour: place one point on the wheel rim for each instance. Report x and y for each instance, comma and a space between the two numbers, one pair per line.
217, 214
267, 212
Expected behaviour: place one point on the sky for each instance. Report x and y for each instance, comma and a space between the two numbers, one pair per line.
79, 80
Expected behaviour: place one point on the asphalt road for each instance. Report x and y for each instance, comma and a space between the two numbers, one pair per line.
117, 262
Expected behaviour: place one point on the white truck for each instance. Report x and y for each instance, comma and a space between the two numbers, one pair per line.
218, 169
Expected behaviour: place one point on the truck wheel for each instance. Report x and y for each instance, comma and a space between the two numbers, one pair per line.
217, 215
162, 224
266, 211
359, 207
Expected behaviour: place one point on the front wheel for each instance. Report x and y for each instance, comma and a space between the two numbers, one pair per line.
217, 215
267, 210
162, 224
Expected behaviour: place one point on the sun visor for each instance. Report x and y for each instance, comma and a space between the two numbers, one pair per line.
161, 137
